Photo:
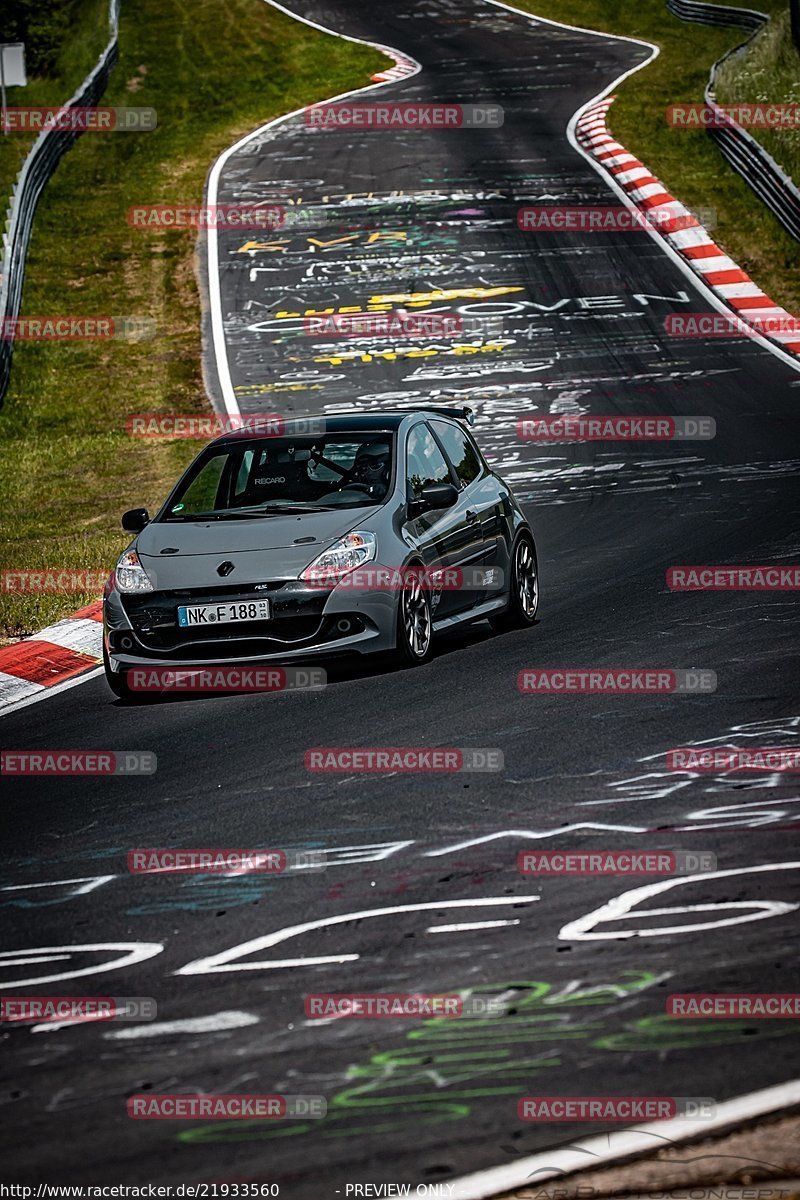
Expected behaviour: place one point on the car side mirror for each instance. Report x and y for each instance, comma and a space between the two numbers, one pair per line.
135, 519
434, 495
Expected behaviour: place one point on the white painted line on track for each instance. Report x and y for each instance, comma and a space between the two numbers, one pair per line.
607, 1148
213, 1023
469, 925
214, 291
405, 67
704, 290
215, 301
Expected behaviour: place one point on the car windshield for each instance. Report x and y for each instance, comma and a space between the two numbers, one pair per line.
262, 477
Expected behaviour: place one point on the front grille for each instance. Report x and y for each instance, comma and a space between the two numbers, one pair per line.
296, 617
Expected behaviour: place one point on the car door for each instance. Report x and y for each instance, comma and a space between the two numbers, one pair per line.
447, 538
480, 494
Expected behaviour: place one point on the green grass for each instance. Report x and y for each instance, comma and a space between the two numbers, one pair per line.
768, 71
67, 468
59, 56
688, 162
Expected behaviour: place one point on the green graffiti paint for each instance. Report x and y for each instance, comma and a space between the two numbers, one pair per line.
445, 1065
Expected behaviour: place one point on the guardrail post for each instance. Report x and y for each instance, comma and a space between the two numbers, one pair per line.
794, 10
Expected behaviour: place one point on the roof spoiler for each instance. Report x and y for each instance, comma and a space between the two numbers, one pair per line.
462, 414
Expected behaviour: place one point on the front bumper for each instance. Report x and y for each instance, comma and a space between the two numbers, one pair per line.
305, 623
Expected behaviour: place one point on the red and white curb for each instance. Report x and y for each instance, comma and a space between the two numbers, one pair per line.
56, 654
402, 69
69, 651
683, 232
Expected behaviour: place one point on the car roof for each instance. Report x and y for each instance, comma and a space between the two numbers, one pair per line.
356, 421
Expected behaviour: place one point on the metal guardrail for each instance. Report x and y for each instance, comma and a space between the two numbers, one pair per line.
717, 14
746, 155
40, 163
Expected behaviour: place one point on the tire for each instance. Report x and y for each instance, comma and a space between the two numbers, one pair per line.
523, 600
414, 621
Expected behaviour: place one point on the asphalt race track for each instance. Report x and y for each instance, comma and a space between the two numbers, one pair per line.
421, 891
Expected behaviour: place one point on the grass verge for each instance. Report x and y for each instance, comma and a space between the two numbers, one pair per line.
688, 162
67, 467
768, 71
60, 52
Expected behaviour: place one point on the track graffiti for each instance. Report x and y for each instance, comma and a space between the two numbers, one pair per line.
443, 1067
584, 928
749, 813
30, 895
587, 928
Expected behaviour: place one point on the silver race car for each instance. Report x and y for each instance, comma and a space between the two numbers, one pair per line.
355, 534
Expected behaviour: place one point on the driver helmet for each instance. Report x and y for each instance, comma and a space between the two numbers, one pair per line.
372, 466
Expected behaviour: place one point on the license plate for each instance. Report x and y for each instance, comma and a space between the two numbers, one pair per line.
203, 615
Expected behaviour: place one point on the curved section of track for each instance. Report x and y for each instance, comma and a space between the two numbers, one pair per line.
422, 891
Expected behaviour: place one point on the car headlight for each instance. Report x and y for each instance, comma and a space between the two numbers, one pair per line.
131, 575
351, 551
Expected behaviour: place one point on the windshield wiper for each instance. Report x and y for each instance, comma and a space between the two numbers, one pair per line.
277, 506
253, 510
209, 516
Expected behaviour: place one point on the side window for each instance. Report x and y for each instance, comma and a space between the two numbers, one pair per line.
461, 450
425, 462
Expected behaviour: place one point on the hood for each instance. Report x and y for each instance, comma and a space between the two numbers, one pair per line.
179, 554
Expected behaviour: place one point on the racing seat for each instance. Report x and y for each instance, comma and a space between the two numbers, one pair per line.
279, 481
